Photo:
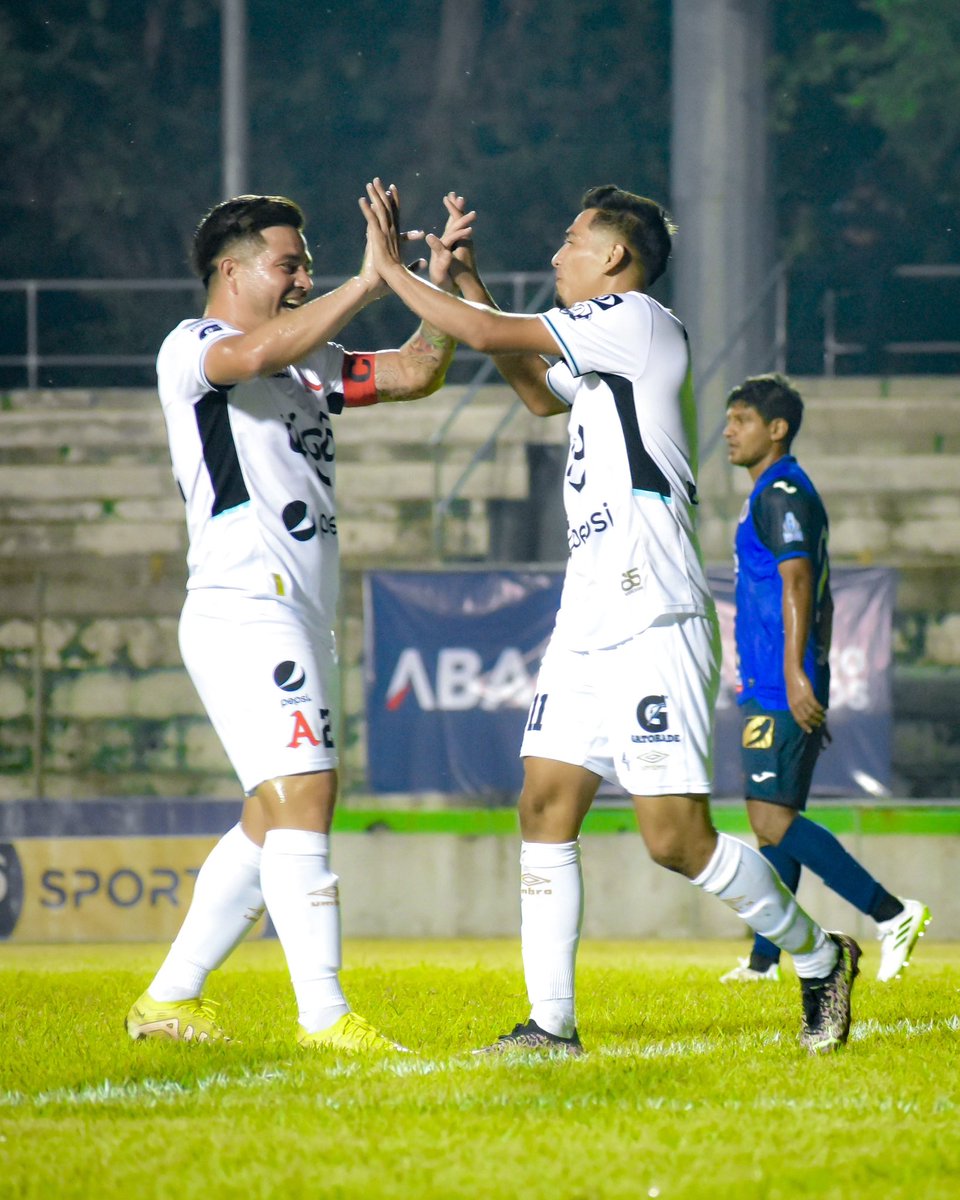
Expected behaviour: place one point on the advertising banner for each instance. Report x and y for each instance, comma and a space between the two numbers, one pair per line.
452, 657
98, 889
451, 662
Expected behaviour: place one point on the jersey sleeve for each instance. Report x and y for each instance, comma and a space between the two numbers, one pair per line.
562, 383
606, 334
788, 520
180, 361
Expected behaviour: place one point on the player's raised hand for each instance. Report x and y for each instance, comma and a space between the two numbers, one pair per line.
464, 253
381, 209
452, 252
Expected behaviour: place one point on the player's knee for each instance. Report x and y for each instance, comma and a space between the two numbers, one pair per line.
668, 848
769, 822
546, 816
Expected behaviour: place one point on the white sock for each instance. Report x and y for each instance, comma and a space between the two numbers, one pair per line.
744, 880
302, 898
226, 904
551, 911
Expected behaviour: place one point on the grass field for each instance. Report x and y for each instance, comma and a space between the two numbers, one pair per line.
689, 1089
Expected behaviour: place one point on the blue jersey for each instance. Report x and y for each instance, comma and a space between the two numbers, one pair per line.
783, 518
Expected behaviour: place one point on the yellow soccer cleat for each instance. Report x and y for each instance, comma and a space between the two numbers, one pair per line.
178, 1020
350, 1035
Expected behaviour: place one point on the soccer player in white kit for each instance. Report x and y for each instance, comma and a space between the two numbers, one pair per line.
629, 679
249, 392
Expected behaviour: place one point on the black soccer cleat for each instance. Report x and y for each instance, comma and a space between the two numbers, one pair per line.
826, 1002
530, 1037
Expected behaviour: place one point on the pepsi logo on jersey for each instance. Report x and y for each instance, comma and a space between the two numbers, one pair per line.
300, 525
595, 523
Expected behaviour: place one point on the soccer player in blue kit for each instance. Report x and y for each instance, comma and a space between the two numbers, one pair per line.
783, 626
628, 682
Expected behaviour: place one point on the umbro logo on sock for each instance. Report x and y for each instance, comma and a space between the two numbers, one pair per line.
534, 885
329, 896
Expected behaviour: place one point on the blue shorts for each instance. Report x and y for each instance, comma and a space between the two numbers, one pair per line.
777, 756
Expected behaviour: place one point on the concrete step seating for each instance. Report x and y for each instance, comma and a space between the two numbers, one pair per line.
85, 479
885, 455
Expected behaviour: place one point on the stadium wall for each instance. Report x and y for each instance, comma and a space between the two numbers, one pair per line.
123, 871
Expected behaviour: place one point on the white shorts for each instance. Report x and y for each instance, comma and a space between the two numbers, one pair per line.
267, 681
639, 714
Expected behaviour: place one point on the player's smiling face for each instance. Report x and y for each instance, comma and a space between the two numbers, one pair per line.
750, 442
580, 263
276, 276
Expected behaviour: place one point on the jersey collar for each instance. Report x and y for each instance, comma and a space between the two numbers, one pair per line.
775, 471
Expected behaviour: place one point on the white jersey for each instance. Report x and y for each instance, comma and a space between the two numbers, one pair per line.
255, 465
630, 485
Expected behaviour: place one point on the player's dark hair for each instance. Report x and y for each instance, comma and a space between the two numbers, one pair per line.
238, 220
772, 396
643, 224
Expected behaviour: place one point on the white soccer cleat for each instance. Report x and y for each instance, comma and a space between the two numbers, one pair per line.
898, 936
744, 973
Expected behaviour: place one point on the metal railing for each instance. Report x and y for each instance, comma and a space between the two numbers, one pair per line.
514, 286
834, 348
33, 360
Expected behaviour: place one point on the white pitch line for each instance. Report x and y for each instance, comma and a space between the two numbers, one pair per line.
109, 1093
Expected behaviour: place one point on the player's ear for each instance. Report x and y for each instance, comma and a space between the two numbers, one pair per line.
618, 256
227, 272
778, 429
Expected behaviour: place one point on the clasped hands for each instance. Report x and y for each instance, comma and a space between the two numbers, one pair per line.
451, 254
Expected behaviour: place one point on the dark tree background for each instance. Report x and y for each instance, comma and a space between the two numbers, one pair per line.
110, 134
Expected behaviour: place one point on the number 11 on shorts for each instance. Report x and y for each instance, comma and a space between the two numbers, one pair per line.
535, 719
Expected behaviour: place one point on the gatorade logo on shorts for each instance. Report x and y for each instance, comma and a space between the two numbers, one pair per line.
652, 714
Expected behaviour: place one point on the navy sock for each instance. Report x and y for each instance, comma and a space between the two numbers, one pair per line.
819, 850
886, 908
764, 953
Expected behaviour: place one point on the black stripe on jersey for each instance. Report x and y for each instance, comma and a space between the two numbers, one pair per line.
220, 452
645, 475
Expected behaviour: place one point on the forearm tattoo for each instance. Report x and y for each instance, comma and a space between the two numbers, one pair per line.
419, 368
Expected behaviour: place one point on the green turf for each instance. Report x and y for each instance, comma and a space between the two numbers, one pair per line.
691, 1089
